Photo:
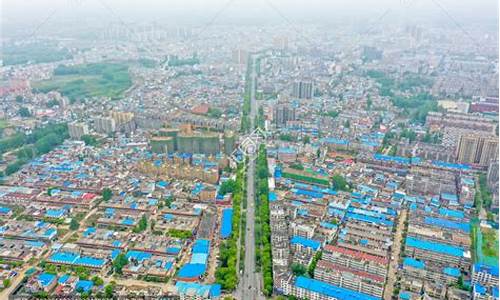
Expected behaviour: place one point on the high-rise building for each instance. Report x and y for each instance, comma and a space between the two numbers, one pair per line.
240, 56
282, 113
77, 130
121, 117
489, 150
185, 140
303, 89
467, 149
476, 149
104, 124
492, 177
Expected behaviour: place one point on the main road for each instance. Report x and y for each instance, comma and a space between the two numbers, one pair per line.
250, 283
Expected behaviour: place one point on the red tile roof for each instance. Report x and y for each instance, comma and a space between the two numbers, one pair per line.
357, 254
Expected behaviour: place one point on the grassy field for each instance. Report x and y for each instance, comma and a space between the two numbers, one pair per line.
86, 81
490, 242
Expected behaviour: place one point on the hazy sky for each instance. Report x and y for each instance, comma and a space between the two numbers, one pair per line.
29, 12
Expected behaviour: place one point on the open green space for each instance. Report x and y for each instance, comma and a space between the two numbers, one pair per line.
28, 146
484, 244
263, 253
88, 80
417, 104
226, 274
490, 242
15, 54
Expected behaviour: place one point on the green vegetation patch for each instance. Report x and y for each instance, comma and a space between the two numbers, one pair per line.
304, 178
490, 242
33, 53
226, 274
418, 105
88, 80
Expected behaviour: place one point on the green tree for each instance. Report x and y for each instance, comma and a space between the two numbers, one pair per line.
227, 186
347, 124
339, 183
24, 112
298, 269
74, 225
6, 282
89, 140
97, 280
107, 193
142, 225
109, 290
120, 262
314, 262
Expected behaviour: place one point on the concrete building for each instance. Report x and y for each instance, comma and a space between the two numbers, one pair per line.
492, 178
485, 275
359, 281
229, 142
303, 89
476, 149
77, 130
282, 113
104, 124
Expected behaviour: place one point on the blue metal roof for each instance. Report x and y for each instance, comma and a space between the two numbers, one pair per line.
369, 219
447, 224
311, 194
409, 261
4, 210
201, 246
201, 290
451, 165
434, 247
396, 159
272, 196
305, 242
84, 285
451, 271
451, 213
493, 270
330, 290
46, 279
226, 223
138, 255
332, 140
192, 270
